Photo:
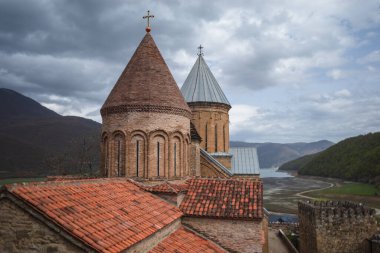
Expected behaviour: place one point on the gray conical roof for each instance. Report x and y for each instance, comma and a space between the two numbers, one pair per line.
201, 85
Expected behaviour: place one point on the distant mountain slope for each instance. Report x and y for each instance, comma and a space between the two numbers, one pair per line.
16, 105
275, 154
356, 158
298, 163
35, 141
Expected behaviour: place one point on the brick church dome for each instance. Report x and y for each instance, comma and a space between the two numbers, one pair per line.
146, 84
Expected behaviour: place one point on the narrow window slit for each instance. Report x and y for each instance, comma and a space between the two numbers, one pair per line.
137, 157
158, 159
175, 159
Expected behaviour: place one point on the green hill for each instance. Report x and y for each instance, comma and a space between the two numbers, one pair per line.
356, 158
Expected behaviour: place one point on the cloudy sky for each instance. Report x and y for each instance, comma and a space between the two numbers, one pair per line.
292, 70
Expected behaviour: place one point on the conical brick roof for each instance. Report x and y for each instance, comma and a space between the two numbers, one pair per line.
146, 84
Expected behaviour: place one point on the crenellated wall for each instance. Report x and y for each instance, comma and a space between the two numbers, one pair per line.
329, 227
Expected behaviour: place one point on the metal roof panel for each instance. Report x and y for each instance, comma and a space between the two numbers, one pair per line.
201, 85
245, 160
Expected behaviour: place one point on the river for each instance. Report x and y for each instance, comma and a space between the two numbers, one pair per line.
273, 172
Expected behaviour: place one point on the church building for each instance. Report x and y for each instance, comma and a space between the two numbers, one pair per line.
169, 181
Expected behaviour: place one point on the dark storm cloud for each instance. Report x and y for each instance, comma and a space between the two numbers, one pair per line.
68, 54
72, 47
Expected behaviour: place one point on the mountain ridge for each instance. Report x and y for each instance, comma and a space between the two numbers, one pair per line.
36, 141
275, 154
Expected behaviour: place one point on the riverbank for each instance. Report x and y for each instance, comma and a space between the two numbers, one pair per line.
282, 194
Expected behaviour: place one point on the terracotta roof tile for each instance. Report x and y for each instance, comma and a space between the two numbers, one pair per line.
166, 187
109, 215
224, 198
185, 241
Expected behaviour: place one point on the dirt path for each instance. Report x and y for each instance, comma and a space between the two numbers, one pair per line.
301, 194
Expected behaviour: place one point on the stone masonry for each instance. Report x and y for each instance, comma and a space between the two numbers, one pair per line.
212, 123
335, 227
20, 232
214, 118
234, 235
146, 121
140, 134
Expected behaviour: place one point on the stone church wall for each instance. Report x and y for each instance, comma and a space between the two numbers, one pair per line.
335, 227
212, 123
233, 235
195, 159
225, 160
209, 169
148, 129
20, 232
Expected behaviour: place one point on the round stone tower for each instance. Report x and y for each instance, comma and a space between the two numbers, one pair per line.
209, 108
146, 121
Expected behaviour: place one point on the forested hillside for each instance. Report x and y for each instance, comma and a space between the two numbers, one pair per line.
298, 163
356, 158
35, 141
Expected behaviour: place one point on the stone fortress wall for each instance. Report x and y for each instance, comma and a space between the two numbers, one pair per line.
329, 227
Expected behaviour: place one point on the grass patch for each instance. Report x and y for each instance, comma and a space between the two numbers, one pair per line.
366, 194
351, 189
19, 180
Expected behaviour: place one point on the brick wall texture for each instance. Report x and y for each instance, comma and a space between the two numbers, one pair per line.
195, 159
146, 145
212, 123
225, 160
20, 232
233, 235
209, 169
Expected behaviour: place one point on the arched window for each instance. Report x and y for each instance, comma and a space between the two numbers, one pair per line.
158, 163
158, 159
137, 156
119, 159
177, 157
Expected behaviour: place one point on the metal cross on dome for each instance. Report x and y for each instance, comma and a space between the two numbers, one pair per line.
200, 50
148, 23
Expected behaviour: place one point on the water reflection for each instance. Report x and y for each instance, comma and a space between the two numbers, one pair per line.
273, 172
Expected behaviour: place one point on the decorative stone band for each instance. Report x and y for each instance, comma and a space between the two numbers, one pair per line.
145, 108
209, 104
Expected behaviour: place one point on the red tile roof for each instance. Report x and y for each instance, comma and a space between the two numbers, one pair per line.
185, 241
224, 198
110, 215
166, 188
